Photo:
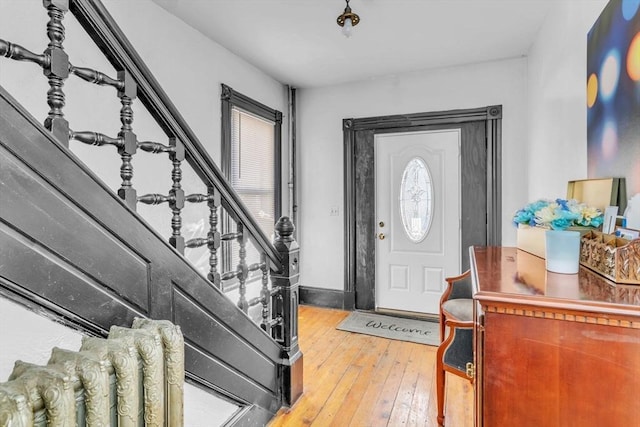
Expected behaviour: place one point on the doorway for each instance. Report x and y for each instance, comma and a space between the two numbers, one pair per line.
479, 187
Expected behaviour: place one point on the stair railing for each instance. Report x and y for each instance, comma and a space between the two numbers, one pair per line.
278, 261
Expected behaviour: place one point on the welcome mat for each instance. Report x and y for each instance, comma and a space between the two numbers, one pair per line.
395, 328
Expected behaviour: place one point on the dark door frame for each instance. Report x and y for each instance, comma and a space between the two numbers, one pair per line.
359, 188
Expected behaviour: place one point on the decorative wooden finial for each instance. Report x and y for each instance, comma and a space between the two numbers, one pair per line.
285, 228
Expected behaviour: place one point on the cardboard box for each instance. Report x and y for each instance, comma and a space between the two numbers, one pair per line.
599, 193
531, 239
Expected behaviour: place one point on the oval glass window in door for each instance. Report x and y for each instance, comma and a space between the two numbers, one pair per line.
416, 199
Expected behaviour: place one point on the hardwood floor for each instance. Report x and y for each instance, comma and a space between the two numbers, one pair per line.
360, 381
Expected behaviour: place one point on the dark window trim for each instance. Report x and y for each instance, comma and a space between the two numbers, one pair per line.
231, 98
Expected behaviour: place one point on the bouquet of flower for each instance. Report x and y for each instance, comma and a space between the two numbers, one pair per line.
558, 214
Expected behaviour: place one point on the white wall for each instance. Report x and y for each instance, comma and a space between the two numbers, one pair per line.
321, 145
30, 337
557, 149
544, 128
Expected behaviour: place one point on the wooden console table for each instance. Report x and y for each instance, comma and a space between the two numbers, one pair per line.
553, 349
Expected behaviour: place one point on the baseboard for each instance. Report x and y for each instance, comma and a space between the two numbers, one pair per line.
329, 298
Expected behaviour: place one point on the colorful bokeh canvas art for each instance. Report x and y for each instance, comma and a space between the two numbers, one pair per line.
613, 94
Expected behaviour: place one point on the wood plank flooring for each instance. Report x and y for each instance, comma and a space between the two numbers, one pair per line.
360, 381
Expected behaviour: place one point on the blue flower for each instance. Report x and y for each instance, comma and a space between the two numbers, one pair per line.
560, 223
597, 221
558, 214
524, 217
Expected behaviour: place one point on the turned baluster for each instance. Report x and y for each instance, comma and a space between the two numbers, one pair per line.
213, 236
176, 194
127, 92
153, 199
19, 53
95, 138
265, 293
127, 140
56, 69
242, 269
94, 76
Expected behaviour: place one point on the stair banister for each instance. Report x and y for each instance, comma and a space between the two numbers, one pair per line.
281, 258
101, 27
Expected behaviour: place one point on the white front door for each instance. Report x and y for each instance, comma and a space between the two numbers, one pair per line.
417, 217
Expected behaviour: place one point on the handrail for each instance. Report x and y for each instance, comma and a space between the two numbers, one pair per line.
104, 31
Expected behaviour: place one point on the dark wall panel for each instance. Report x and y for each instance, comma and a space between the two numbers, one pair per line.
66, 232
365, 220
228, 348
219, 376
31, 270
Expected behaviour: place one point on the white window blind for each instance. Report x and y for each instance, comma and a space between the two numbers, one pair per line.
252, 165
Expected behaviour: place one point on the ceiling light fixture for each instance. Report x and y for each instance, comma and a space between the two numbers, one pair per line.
348, 20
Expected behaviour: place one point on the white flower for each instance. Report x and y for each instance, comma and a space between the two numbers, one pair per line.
547, 214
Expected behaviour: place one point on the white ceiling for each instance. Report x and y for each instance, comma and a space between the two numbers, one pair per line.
299, 43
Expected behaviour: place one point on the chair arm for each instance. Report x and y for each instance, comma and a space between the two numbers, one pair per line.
460, 324
460, 277
457, 287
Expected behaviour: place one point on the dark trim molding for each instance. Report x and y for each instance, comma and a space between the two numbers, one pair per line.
329, 298
349, 207
494, 175
293, 159
357, 134
424, 119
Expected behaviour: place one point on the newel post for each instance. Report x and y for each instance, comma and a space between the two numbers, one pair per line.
286, 280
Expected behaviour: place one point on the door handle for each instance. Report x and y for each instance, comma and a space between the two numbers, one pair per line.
381, 236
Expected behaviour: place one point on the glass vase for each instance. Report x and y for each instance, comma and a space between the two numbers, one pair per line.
562, 251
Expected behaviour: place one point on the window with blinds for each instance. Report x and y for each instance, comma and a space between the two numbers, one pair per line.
251, 151
253, 165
